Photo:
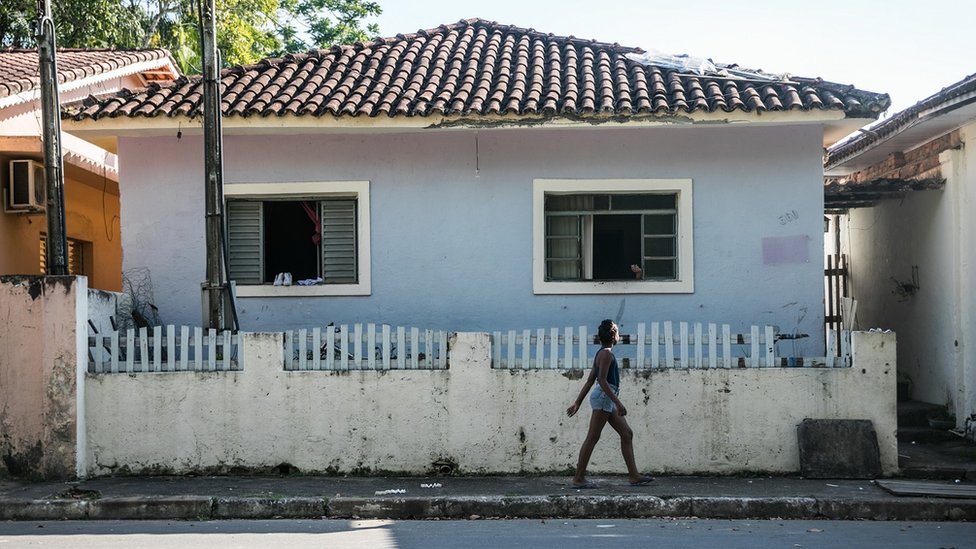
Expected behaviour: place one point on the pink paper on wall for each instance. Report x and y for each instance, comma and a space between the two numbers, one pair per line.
783, 250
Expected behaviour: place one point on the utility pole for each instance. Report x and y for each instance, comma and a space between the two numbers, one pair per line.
57, 245
213, 162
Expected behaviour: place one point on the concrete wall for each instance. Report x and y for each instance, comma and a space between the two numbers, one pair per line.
43, 344
451, 223
481, 420
932, 230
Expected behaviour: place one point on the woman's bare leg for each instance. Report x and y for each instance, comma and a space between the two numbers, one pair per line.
620, 425
597, 421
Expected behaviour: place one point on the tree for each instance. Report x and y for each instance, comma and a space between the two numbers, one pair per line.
247, 30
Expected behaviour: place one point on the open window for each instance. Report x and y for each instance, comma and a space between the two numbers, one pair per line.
315, 232
613, 236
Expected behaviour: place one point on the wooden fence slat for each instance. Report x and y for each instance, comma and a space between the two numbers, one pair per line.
442, 355
330, 347
371, 346
754, 355
115, 352
510, 354
584, 362
554, 348
770, 347
344, 347
699, 362
831, 348
198, 348
540, 348
386, 346
526, 349
414, 347
668, 345
226, 355
712, 335
171, 347
303, 349
568, 348
143, 342
726, 346
357, 344
316, 349
641, 341
845, 349
428, 348
496, 350
184, 348
212, 349
655, 345
401, 347
156, 363
683, 344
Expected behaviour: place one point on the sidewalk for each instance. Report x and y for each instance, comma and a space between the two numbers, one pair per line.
251, 497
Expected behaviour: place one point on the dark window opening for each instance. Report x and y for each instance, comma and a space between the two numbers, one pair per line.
290, 241
616, 246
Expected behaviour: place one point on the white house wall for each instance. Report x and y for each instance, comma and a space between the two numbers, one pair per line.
932, 230
451, 223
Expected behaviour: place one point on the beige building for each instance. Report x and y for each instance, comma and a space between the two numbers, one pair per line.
91, 190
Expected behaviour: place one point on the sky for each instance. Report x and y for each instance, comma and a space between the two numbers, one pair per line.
909, 50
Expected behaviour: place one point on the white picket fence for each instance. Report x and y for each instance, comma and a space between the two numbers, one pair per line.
373, 348
162, 349
660, 345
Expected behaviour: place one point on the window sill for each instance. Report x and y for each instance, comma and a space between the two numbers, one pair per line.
267, 290
614, 287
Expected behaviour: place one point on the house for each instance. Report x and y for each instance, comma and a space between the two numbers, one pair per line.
480, 176
90, 172
906, 189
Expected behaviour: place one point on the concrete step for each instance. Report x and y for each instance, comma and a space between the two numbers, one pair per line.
914, 413
925, 435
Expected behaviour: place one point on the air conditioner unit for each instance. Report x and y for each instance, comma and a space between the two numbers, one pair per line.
26, 188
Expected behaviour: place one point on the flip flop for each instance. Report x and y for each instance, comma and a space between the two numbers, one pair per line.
585, 486
644, 481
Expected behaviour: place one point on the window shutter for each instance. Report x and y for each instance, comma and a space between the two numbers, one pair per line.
339, 241
245, 234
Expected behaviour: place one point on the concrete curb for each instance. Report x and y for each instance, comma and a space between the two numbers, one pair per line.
466, 507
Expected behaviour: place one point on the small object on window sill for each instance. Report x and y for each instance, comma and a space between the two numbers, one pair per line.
279, 278
310, 281
286, 279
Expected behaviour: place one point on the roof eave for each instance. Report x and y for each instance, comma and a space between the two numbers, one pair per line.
834, 121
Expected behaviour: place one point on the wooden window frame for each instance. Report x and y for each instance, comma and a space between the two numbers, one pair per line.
681, 188
313, 191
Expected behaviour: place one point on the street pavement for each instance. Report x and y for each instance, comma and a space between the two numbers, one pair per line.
470, 497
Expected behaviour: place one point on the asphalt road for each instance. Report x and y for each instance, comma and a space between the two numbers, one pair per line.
541, 534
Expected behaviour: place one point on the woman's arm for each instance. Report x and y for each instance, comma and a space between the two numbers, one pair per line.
574, 407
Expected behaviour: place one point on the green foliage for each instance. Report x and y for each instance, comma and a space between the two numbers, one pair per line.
247, 30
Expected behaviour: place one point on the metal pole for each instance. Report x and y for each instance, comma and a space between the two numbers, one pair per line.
57, 244
213, 164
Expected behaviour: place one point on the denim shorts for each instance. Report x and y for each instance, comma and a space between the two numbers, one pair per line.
601, 401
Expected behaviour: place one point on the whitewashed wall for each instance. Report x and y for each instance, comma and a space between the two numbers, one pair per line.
482, 420
451, 223
937, 324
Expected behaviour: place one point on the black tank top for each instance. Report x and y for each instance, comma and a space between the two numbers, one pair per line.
613, 374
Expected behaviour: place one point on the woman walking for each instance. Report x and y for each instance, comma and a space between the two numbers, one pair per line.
607, 408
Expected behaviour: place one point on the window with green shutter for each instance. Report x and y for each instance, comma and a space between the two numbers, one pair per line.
314, 240
317, 231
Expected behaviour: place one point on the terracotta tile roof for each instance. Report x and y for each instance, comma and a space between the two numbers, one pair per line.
951, 96
477, 68
19, 68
